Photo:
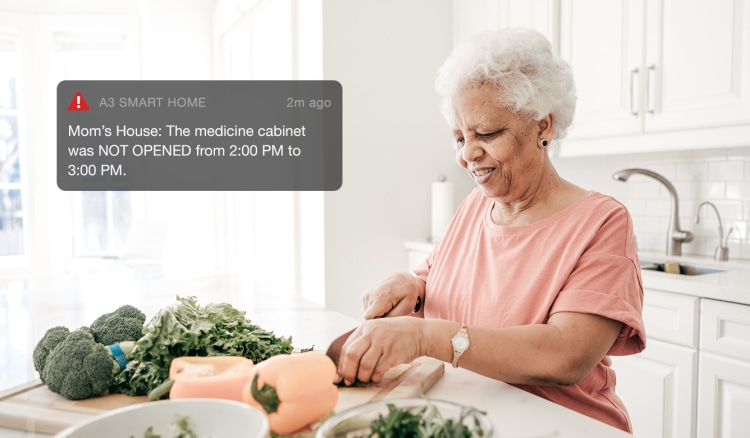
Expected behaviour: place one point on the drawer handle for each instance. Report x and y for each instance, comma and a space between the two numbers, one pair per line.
633, 73
651, 109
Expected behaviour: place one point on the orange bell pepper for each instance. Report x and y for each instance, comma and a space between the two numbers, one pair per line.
209, 377
294, 391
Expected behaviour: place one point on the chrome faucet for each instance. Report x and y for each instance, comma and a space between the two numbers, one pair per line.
722, 251
675, 236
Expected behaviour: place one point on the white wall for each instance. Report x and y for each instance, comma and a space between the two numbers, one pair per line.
395, 142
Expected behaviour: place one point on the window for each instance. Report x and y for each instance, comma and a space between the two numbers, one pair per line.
12, 178
101, 219
275, 236
258, 47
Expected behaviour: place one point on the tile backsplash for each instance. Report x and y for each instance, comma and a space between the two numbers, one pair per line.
720, 176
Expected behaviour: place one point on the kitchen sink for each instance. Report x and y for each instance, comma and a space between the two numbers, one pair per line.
685, 269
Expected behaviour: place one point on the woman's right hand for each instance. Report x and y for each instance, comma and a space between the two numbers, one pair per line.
396, 295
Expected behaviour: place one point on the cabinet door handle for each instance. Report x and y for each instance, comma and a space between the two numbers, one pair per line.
651, 109
633, 109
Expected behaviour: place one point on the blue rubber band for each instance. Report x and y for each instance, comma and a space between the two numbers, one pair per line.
119, 356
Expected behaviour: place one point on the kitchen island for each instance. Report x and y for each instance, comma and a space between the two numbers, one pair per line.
76, 300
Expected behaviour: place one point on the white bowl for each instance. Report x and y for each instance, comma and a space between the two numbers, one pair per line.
354, 420
213, 418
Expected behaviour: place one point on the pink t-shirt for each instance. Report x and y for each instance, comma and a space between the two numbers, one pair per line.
581, 259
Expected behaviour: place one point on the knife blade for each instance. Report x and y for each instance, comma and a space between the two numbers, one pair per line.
334, 350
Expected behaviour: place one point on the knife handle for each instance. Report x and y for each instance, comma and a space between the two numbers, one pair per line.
418, 305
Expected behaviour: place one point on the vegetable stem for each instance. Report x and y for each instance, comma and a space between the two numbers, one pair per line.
127, 347
266, 396
161, 390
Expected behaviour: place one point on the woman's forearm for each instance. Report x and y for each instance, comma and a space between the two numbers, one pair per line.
549, 354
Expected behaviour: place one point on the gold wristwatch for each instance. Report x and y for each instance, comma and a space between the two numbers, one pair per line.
460, 342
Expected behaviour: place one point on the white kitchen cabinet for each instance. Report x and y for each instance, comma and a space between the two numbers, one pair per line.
725, 329
603, 43
659, 385
474, 16
671, 317
657, 74
697, 64
724, 394
724, 376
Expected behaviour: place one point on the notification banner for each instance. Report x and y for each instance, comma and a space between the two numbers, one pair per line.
199, 135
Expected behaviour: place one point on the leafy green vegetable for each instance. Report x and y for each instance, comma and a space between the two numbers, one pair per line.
178, 429
427, 422
357, 384
181, 429
188, 329
149, 433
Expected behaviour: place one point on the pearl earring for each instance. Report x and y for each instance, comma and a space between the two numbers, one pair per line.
543, 142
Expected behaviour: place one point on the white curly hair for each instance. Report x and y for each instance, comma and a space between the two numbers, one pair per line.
528, 78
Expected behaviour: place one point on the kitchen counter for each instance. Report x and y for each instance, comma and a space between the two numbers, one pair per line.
732, 284
75, 301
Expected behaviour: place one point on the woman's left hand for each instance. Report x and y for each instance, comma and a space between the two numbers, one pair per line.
379, 344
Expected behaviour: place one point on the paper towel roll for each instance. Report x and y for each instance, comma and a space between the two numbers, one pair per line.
442, 207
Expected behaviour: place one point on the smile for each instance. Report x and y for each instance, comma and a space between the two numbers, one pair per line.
482, 172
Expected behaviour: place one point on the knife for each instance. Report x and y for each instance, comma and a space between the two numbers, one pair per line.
334, 350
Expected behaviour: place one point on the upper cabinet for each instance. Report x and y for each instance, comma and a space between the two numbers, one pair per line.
603, 43
474, 16
651, 75
657, 74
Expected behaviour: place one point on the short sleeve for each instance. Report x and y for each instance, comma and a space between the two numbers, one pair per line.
606, 281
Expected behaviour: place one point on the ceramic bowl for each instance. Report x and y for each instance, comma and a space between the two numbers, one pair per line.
347, 423
206, 417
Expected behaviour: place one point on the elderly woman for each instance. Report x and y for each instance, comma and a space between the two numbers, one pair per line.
536, 281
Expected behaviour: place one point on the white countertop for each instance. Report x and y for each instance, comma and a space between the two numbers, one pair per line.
732, 284
73, 302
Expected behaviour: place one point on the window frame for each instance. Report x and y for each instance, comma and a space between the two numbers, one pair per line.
109, 35
10, 42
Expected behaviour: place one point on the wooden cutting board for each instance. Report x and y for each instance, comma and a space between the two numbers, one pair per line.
402, 381
34, 408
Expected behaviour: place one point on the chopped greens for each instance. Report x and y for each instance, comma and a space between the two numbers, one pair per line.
427, 422
181, 429
178, 429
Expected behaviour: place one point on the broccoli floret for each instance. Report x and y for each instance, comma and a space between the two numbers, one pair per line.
44, 347
124, 324
79, 367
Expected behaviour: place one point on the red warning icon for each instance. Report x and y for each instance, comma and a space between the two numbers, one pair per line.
78, 103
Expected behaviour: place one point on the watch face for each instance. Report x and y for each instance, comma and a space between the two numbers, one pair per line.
460, 343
